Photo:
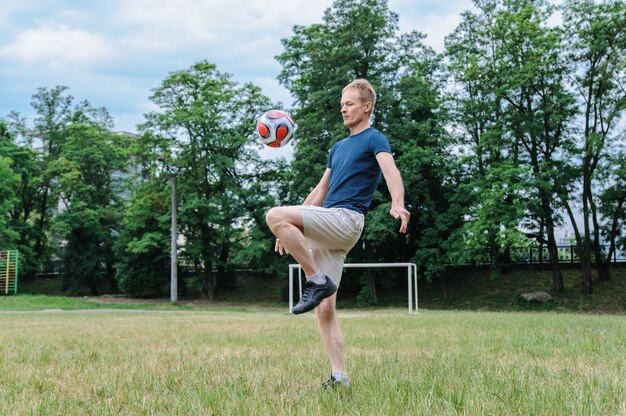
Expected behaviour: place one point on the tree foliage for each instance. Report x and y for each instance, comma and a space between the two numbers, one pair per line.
87, 171
514, 109
9, 181
598, 44
142, 249
205, 129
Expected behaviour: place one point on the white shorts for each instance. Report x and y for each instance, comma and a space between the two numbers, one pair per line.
330, 234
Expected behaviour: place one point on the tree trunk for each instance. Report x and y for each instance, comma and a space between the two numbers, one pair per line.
504, 260
494, 251
444, 289
604, 274
557, 277
207, 281
221, 282
208, 286
580, 250
614, 228
373, 292
586, 284
540, 253
41, 223
110, 271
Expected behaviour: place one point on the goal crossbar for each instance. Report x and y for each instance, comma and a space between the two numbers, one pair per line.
411, 273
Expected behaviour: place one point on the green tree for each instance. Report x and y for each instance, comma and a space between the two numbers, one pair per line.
495, 178
9, 180
539, 109
597, 35
142, 250
54, 111
24, 161
511, 62
88, 171
204, 132
613, 205
35, 148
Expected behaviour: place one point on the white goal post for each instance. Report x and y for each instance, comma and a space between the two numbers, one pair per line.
411, 273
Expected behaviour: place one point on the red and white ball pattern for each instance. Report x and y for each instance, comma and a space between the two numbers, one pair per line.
275, 128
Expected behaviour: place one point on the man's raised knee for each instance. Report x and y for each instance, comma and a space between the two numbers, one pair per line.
279, 216
272, 217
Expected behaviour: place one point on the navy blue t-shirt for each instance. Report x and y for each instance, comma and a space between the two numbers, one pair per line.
354, 170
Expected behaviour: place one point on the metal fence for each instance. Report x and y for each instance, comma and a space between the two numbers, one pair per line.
50, 268
536, 255
519, 255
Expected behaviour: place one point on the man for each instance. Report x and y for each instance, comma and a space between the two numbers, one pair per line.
320, 233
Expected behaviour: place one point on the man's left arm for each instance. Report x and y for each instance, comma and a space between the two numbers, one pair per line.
396, 188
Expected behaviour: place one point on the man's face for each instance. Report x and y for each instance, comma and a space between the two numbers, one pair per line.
353, 109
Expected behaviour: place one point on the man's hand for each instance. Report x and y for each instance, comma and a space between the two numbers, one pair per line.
279, 248
403, 215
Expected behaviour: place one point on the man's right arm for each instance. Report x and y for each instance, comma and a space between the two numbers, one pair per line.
318, 194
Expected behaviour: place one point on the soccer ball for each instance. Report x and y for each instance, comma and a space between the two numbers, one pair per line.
275, 128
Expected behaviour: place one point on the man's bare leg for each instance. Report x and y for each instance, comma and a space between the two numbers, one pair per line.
287, 225
330, 332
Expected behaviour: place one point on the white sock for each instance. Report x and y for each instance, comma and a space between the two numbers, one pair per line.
317, 278
341, 377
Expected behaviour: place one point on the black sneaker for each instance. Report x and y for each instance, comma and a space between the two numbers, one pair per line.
333, 383
313, 294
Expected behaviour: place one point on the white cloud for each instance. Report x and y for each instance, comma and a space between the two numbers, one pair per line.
58, 46
173, 24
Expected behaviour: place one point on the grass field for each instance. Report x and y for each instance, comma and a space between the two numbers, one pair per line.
176, 362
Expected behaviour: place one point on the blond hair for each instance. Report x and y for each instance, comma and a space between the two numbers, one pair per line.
365, 89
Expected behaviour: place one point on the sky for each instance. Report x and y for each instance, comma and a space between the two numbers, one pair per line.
113, 53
